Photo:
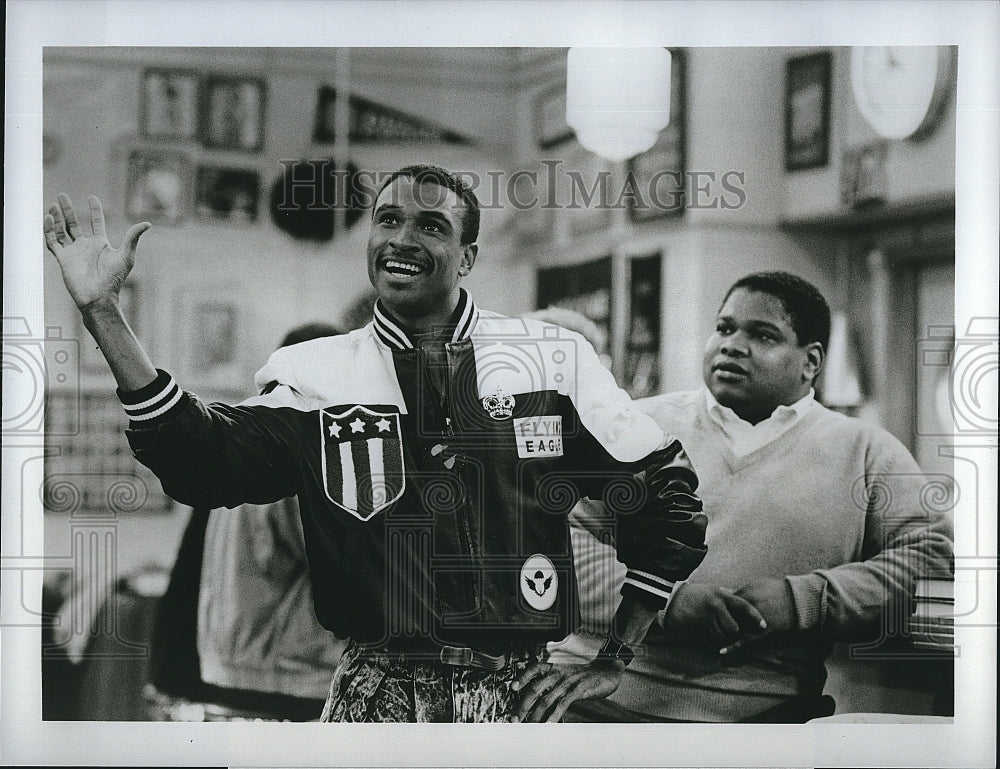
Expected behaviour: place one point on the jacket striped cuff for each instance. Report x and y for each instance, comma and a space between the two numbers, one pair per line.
154, 403
650, 583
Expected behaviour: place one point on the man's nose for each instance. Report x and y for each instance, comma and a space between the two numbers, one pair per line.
735, 345
404, 239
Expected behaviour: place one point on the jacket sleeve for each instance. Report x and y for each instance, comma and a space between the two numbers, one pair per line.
214, 455
907, 536
645, 480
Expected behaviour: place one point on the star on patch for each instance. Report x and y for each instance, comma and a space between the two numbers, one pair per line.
383, 425
357, 426
334, 430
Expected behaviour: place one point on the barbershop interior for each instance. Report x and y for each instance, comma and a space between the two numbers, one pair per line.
710, 164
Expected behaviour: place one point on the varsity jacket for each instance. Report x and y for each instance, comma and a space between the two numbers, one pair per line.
434, 479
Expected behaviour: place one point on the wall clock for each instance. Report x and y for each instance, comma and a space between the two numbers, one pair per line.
900, 89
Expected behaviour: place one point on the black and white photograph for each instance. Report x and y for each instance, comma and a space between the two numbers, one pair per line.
807, 111
227, 194
636, 407
159, 185
233, 113
170, 104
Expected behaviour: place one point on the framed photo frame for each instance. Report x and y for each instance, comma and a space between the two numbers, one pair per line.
807, 111
232, 113
158, 186
227, 194
212, 338
863, 178
659, 173
169, 104
551, 128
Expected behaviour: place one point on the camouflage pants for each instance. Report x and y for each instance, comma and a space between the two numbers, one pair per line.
379, 687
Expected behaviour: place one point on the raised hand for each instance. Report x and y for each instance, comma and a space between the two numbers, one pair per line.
94, 272
711, 615
92, 269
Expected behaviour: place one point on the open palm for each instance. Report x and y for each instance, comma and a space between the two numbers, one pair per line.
91, 268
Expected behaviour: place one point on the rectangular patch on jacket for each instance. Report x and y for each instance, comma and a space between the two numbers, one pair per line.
539, 436
362, 459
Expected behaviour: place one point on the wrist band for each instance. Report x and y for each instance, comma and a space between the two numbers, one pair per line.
614, 650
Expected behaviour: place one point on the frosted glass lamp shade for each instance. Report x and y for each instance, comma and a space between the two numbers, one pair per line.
617, 99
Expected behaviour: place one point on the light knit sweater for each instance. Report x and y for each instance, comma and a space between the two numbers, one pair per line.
835, 506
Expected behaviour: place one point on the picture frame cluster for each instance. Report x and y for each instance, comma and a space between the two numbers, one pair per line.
191, 125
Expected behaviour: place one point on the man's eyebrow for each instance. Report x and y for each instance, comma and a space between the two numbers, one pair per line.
764, 324
753, 323
431, 214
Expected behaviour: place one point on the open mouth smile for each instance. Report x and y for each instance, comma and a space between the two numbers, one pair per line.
402, 268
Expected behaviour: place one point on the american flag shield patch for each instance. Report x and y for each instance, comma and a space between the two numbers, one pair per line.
362, 459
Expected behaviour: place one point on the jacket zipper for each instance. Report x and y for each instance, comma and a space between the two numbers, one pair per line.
448, 429
464, 508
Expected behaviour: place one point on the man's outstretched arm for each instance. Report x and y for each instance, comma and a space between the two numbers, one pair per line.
204, 455
94, 272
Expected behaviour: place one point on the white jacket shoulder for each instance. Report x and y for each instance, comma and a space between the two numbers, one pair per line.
302, 365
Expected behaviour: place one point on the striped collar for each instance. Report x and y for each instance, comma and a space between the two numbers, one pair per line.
392, 332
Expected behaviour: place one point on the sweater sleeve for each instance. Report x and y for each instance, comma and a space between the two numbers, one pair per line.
907, 536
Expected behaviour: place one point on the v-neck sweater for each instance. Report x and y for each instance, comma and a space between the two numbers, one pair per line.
836, 507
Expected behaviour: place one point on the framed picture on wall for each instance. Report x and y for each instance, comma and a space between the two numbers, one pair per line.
551, 128
210, 339
232, 113
807, 111
227, 194
169, 104
863, 178
158, 186
658, 174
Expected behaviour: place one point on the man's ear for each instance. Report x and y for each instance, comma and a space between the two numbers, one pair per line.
469, 253
815, 356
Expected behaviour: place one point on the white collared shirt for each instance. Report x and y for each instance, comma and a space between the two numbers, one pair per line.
746, 438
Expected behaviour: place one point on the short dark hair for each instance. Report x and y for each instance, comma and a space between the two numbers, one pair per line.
423, 172
803, 302
309, 331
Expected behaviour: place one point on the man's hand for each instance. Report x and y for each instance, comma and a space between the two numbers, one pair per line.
773, 599
92, 270
711, 615
548, 690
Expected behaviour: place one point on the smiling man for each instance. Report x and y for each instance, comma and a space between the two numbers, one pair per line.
435, 454
817, 524
422, 243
